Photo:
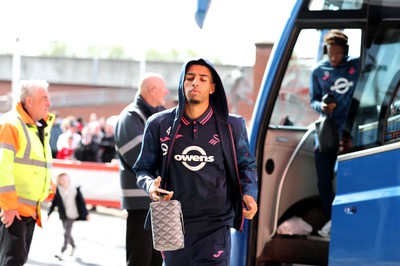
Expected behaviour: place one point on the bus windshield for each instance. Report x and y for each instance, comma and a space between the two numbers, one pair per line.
318, 5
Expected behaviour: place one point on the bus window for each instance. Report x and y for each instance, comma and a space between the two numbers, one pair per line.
292, 107
379, 74
317, 5
393, 123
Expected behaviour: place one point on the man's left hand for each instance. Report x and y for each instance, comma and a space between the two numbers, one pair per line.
251, 207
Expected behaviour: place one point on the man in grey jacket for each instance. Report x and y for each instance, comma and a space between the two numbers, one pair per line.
149, 99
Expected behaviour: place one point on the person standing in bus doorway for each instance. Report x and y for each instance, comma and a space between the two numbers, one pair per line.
71, 207
25, 169
333, 82
201, 153
149, 99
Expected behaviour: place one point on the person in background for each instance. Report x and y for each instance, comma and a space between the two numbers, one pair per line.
67, 151
25, 169
69, 128
56, 131
333, 78
71, 207
200, 153
88, 148
102, 123
80, 123
149, 99
107, 144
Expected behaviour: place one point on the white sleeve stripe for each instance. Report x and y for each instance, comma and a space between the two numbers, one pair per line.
131, 144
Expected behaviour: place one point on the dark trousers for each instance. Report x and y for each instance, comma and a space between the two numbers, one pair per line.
15, 241
67, 224
206, 248
139, 242
325, 165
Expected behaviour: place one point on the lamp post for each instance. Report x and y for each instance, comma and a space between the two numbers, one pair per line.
16, 69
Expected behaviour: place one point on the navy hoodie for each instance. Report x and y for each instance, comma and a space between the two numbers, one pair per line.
161, 130
338, 81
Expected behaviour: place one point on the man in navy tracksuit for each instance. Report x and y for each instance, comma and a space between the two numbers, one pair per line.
335, 76
201, 153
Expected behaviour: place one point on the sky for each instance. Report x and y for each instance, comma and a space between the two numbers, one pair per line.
230, 31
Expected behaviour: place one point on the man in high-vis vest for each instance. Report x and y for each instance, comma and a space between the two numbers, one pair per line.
25, 169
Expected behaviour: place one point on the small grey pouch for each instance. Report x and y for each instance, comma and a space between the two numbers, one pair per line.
167, 225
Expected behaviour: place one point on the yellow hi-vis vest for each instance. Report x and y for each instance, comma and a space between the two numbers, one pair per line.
25, 163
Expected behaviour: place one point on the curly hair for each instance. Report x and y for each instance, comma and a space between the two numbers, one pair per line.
336, 37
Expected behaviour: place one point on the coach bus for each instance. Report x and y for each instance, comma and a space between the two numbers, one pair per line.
365, 212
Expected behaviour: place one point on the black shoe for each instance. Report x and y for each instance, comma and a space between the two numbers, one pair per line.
59, 256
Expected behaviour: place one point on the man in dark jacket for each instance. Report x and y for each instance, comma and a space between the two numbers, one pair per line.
128, 137
201, 153
333, 82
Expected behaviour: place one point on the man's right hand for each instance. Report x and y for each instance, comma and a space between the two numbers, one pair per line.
8, 216
155, 195
328, 108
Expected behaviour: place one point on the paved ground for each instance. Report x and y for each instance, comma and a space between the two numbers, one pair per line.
99, 241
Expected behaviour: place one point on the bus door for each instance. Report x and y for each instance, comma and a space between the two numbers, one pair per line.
365, 214
289, 183
283, 135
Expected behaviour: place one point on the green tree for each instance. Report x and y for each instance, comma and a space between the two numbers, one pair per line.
58, 48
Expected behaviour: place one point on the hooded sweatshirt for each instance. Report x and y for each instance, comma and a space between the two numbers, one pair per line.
338, 81
239, 166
